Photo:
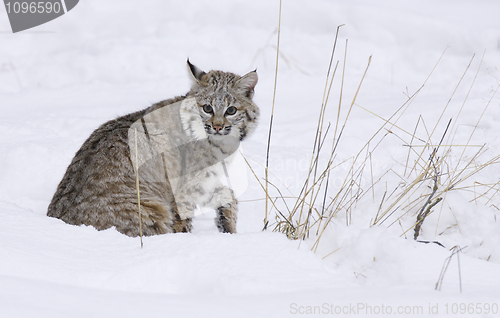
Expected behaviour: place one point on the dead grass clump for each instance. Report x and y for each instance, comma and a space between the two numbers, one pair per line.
430, 171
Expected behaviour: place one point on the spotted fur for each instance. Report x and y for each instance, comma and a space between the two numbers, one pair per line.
99, 189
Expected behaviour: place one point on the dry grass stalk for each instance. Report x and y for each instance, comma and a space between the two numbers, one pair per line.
137, 186
454, 251
266, 222
319, 139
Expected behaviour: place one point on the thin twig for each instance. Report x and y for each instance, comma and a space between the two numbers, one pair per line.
137, 185
454, 251
272, 115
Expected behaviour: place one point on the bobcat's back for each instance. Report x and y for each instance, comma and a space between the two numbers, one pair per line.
99, 187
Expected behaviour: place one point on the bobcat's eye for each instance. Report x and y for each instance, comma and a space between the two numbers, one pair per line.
207, 109
231, 110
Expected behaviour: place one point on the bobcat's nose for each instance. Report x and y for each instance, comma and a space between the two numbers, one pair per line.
217, 128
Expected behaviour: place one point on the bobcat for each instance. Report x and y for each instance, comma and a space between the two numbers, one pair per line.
176, 149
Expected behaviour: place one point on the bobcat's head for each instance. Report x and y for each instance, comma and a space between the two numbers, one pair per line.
225, 102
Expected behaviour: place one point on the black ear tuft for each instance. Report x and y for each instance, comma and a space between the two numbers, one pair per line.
195, 72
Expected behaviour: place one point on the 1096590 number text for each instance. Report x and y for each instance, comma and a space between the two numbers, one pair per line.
33, 7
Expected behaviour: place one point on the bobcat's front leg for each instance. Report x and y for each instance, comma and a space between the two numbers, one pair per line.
182, 225
226, 217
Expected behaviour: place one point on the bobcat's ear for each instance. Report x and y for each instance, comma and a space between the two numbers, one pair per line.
246, 83
195, 72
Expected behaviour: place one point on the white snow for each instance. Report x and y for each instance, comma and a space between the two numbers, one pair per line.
61, 80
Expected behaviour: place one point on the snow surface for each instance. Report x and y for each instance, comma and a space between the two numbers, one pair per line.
61, 80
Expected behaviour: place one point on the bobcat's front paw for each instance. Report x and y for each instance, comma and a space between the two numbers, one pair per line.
226, 218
